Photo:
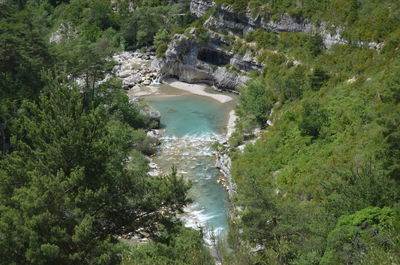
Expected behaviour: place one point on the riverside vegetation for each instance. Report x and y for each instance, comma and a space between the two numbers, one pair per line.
73, 175
320, 186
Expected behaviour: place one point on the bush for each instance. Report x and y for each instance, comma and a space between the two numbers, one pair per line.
184, 246
354, 233
256, 100
313, 118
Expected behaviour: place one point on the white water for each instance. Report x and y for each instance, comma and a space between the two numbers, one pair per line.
192, 124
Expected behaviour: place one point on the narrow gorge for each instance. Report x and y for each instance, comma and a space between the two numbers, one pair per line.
199, 132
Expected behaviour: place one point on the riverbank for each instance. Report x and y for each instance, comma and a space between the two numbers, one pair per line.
193, 118
230, 127
191, 125
140, 77
197, 89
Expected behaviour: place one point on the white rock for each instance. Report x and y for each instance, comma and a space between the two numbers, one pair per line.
153, 165
352, 80
132, 80
124, 74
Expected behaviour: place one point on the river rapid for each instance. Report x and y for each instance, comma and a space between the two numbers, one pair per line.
191, 124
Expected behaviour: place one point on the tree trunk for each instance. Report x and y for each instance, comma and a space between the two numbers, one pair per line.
3, 137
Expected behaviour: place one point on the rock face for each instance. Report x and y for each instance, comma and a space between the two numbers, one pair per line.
226, 19
223, 164
193, 61
199, 8
206, 61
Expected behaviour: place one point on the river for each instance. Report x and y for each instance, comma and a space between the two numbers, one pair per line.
191, 125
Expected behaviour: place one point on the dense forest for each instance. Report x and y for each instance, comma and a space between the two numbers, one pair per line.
319, 186
72, 161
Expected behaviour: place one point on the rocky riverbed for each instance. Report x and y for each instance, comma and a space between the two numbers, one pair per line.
134, 68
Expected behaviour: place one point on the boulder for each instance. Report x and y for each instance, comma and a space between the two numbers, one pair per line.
152, 113
147, 82
132, 80
227, 79
124, 74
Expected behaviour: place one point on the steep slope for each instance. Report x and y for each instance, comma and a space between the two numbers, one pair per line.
321, 185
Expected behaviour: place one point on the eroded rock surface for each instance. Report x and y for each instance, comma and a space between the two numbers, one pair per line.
193, 61
225, 18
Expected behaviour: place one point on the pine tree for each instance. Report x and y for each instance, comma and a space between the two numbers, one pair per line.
66, 190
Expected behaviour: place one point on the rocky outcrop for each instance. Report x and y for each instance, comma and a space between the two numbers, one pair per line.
134, 68
225, 18
64, 32
199, 8
242, 23
194, 61
152, 113
228, 80
223, 164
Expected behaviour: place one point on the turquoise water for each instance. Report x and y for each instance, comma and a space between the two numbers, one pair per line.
190, 115
192, 124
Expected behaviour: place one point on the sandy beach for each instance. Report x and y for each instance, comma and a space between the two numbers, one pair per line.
197, 89
172, 88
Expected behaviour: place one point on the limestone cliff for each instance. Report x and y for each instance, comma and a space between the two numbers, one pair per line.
194, 61
225, 18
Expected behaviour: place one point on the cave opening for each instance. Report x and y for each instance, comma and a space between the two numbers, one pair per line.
213, 57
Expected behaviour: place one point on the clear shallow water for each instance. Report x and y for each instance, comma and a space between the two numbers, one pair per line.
190, 115
192, 124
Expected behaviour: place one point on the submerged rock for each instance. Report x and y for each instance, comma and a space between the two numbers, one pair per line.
152, 113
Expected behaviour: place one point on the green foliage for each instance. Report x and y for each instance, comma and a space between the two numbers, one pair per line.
161, 40
257, 100
23, 55
354, 233
362, 20
239, 6
86, 62
183, 247
263, 39
312, 119
145, 23
332, 151
90, 18
72, 163
318, 78
72, 169
124, 109
66, 189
